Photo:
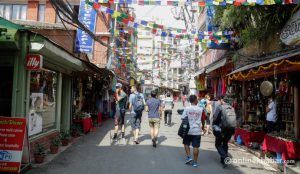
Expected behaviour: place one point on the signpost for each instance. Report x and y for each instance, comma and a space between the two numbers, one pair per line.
12, 136
87, 15
34, 62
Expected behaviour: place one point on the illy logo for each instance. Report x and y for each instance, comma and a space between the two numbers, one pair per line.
34, 62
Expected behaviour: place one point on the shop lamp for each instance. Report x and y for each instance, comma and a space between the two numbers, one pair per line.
35, 46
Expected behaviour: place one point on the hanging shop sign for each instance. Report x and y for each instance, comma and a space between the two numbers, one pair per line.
12, 136
34, 62
87, 16
290, 34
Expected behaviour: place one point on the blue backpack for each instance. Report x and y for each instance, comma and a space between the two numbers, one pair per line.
138, 104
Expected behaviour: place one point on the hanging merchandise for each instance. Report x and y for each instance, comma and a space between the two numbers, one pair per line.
266, 88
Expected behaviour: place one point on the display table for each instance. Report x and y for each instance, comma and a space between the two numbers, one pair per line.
248, 136
87, 124
288, 149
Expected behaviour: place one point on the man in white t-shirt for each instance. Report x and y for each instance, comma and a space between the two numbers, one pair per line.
193, 137
271, 115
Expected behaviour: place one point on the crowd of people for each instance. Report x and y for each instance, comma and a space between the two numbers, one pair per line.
201, 114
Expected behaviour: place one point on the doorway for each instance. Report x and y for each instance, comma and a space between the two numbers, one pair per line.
6, 85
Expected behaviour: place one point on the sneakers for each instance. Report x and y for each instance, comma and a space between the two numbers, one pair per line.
195, 164
154, 142
188, 160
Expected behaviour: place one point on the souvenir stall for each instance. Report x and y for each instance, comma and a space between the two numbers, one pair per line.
88, 91
263, 80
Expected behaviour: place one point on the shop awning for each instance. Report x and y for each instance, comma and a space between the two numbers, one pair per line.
201, 71
55, 56
216, 65
256, 64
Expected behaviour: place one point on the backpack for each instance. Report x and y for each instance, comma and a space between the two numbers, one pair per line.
228, 118
138, 104
184, 127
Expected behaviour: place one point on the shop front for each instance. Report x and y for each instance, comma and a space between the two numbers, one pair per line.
37, 84
262, 82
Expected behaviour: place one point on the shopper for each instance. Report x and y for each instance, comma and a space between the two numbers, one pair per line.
224, 123
121, 98
168, 105
136, 107
202, 104
208, 110
183, 99
193, 113
271, 115
153, 108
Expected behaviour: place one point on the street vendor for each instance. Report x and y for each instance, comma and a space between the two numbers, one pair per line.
271, 115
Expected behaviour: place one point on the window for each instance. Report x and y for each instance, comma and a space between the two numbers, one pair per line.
15, 12
42, 106
41, 13
74, 8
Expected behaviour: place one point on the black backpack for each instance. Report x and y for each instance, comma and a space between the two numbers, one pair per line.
138, 104
228, 118
184, 127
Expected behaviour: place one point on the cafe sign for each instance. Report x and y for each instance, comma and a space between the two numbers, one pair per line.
290, 34
34, 62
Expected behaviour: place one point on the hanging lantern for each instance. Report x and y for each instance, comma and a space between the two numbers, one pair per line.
124, 65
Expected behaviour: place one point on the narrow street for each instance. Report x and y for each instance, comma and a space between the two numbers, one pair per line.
94, 153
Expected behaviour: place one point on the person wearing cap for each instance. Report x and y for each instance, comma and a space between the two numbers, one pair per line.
121, 98
153, 108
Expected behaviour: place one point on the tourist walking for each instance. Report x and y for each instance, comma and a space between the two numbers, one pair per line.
193, 113
121, 98
183, 99
136, 107
153, 108
168, 105
224, 123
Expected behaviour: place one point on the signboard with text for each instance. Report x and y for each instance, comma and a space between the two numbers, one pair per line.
87, 16
34, 62
12, 135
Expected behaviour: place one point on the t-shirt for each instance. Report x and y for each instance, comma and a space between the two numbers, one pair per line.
132, 99
123, 101
153, 105
194, 114
272, 115
168, 103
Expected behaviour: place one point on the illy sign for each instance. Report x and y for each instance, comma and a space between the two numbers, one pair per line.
34, 62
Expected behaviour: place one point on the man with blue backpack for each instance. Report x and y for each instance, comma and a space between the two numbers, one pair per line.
136, 107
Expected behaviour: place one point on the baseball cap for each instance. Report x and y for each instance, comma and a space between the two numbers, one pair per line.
118, 85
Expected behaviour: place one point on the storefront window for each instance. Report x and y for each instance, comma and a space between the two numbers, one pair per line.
42, 106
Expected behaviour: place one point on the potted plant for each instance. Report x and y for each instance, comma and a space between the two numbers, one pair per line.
54, 144
39, 153
75, 130
64, 137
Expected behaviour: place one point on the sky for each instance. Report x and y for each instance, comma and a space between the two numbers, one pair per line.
161, 14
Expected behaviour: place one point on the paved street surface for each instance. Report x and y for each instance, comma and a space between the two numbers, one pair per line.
94, 154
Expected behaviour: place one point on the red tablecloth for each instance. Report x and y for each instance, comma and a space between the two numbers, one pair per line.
288, 149
248, 136
87, 124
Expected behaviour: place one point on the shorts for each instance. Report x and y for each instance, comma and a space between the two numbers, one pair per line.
154, 122
194, 139
120, 117
135, 120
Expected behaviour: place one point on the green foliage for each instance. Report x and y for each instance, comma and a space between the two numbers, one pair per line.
39, 149
55, 141
253, 23
64, 136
